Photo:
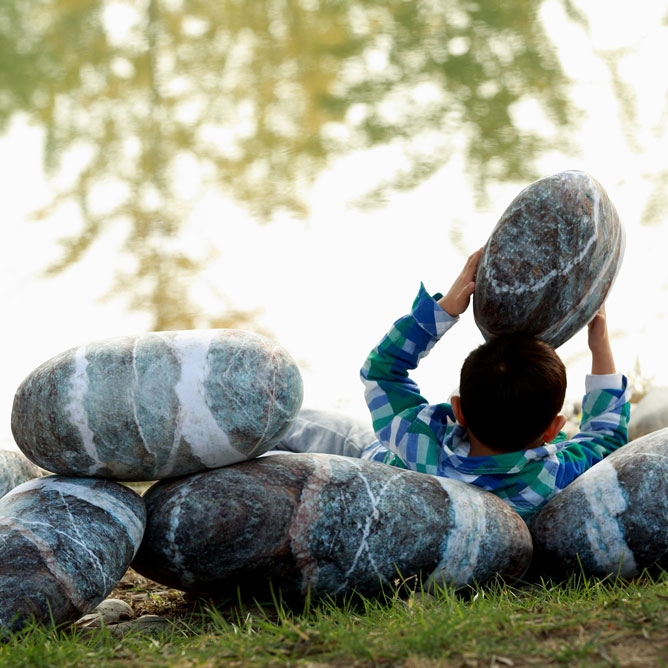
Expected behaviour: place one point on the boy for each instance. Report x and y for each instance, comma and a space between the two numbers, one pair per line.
502, 432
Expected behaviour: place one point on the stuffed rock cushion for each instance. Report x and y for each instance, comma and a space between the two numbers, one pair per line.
551, 260
612, 520
325, 525
66, 543
157, 405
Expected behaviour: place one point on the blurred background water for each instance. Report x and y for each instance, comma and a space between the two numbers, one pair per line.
297, 167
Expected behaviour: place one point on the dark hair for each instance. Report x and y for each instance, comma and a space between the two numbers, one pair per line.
511, 388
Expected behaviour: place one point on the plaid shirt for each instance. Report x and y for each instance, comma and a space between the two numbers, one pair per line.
425, 437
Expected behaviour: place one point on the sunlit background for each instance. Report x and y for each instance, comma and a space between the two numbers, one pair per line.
297, 167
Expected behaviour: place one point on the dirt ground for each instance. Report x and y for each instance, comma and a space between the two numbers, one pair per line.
147, 597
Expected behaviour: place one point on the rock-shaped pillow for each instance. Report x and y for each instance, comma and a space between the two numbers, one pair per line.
66, 543
157, 405
612, 520
550, 261
327, 525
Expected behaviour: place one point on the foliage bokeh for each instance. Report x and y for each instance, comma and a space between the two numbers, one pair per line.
256, 98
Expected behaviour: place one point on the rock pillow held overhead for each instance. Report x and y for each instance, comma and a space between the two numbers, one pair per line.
157, 405
550, 261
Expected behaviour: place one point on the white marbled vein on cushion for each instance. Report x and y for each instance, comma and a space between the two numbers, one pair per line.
78, 387
102, 499
196, 424
138, 423
371, 518
522, 286
606, 501
461, 547
554, 332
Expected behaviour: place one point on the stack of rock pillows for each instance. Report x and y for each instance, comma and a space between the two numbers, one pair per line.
196, 410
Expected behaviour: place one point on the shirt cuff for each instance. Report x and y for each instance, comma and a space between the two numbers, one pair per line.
608, 381
429, 315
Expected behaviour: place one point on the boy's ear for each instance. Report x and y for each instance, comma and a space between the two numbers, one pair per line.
555, 427
456, 403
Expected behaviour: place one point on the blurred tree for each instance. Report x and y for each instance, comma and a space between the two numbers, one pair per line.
639, 142
256, 98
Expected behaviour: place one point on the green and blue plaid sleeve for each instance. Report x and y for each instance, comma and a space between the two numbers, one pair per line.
603, 427
402, 419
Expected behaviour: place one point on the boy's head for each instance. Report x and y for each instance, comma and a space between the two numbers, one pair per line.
511, 389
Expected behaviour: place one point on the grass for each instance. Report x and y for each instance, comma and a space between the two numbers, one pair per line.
582, 622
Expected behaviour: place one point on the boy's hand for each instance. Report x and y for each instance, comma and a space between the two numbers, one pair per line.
456, 301
602, 360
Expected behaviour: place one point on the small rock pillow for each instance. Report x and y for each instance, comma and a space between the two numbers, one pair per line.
158, 405
66, 543
612, 520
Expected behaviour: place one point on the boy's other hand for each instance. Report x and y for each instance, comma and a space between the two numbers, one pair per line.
456, 301
597, 327
602, 360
